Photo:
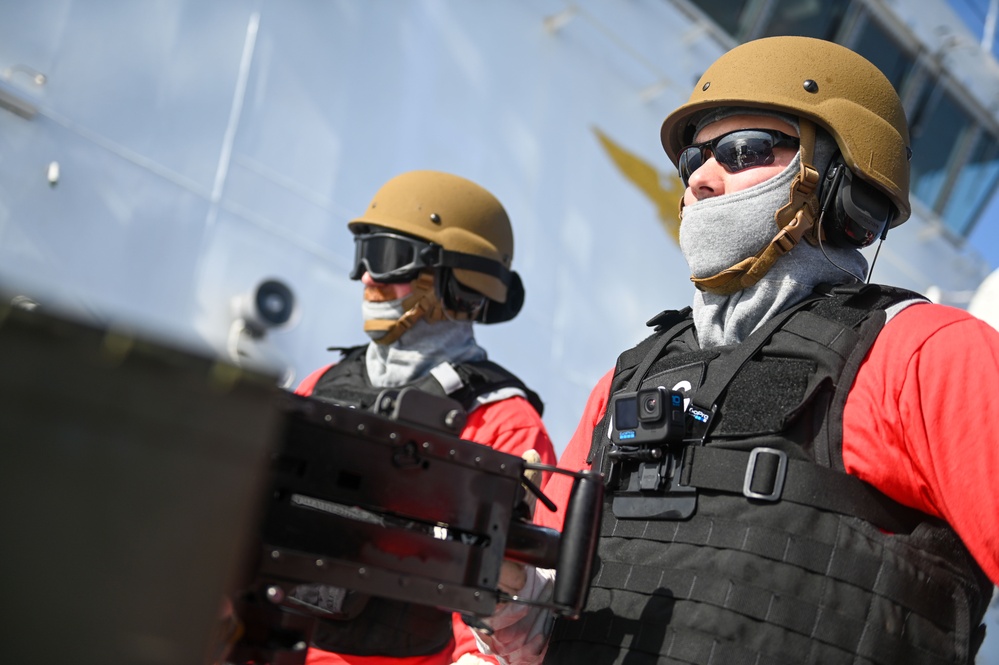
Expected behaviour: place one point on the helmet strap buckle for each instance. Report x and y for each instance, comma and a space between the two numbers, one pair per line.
803, 197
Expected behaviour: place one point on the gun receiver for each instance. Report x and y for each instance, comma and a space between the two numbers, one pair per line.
394, 504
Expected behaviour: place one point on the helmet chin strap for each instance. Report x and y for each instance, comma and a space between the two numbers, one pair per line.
795, 220
422, 303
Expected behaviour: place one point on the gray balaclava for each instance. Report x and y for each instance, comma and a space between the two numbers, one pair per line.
718, 232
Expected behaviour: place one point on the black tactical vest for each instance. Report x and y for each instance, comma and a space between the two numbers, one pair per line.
378, 626
784, 558
347, 382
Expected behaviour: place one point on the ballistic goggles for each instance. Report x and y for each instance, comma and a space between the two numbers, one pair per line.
735, 151
391, 258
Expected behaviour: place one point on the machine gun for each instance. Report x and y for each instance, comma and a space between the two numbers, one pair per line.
393, 504
144, 482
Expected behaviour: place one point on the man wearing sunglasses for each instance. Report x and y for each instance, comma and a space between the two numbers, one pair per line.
809, 494
433, 252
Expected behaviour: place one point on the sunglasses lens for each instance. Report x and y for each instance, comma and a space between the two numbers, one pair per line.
744, 150
735, 151
388, 259
690, 160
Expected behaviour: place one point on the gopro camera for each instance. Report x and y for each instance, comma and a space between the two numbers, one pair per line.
646, 454
653, 415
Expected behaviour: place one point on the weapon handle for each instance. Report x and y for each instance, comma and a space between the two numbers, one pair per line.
578, 543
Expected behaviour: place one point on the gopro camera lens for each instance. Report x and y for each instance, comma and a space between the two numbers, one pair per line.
651, 405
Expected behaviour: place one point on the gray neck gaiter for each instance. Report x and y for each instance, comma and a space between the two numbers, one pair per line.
721, 231
420, 349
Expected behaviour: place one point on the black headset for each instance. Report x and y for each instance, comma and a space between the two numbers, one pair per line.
852, 212
459, 298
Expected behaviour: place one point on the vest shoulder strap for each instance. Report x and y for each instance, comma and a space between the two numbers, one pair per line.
632, 364
667, 325
478, 378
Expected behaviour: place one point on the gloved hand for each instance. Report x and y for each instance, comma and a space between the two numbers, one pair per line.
534, 475
517, 634
512, 576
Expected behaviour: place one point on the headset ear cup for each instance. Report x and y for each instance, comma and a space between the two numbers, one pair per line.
497, 312
455, 296
854, 214
832, 223
866, 210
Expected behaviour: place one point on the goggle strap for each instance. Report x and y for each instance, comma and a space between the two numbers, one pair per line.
459, 261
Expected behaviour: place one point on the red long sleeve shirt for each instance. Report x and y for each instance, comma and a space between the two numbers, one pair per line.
921, 424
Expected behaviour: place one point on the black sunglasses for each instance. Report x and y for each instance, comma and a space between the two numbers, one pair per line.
735, 151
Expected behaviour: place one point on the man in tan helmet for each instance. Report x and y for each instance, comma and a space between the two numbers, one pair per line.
801, 466
433, 251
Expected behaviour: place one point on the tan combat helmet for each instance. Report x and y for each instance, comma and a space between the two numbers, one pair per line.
823, 84
471, 246
452, 212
